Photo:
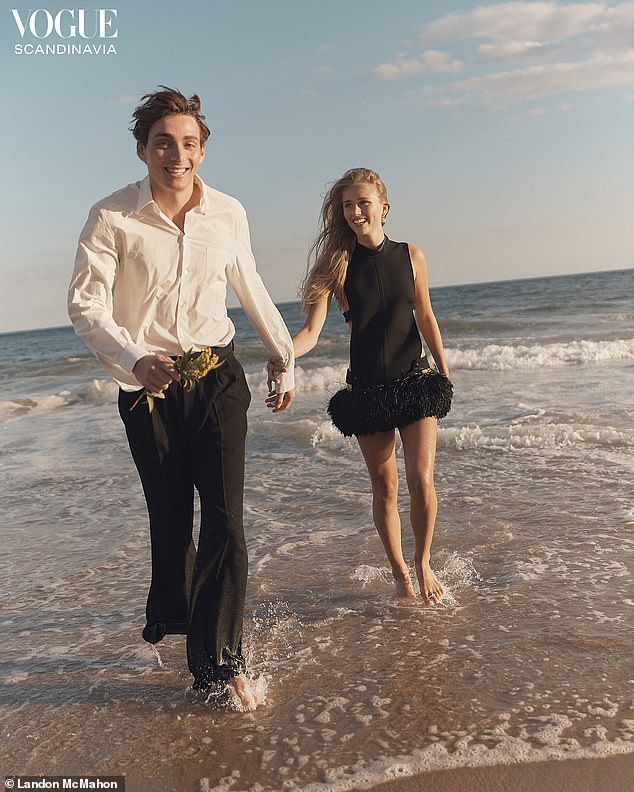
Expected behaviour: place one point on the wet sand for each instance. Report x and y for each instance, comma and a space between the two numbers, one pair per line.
610, 774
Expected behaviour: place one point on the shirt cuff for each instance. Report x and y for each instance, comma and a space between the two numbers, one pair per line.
287, 381
131, 355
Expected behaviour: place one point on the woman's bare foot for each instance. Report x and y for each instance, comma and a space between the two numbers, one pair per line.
245, 692
404, 587
431, 589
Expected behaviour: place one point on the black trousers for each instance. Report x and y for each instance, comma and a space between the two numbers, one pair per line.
194, 440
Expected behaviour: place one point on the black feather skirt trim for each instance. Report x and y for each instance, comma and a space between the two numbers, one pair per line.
379, 408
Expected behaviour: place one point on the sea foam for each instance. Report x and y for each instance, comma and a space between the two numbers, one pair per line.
539, 435
520, 356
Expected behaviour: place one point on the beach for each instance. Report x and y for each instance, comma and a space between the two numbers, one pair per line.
521, 679
580, 775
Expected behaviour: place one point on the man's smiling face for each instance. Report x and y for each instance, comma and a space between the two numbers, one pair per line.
173, 153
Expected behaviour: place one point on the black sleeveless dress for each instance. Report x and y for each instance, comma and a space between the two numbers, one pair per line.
389, 380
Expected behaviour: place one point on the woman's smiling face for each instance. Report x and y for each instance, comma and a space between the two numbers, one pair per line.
364, 211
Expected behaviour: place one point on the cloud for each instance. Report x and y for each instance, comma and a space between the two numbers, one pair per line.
125, 100
518, 20
430, 62
510, 50
517, 51
500, 88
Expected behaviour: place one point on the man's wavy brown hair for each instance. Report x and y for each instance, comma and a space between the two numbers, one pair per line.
166, 102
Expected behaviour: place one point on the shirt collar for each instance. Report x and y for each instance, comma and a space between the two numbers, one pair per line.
202, 206
145, 195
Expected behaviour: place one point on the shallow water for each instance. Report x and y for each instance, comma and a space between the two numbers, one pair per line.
529, 657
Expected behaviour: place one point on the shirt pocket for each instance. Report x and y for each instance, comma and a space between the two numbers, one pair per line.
209, 280
148, 266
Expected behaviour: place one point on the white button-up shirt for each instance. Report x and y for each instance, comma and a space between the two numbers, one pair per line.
141, 285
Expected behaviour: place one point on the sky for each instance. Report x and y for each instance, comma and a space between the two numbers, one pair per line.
503, 131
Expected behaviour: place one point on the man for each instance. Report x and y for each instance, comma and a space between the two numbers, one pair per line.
149, 285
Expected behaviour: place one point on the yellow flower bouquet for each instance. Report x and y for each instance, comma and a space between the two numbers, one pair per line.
192, 367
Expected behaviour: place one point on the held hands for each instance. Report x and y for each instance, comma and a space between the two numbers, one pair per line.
155, 372
274, 367
277, 401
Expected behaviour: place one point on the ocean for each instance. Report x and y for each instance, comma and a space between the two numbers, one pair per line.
530, 657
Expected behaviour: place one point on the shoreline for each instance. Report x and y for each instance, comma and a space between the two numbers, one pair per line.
611, 773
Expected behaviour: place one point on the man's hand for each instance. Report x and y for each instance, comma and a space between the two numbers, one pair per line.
279, 401
274, 367
155, 372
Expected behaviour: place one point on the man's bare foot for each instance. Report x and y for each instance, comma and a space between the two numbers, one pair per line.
245, 692
431, 589
404, 587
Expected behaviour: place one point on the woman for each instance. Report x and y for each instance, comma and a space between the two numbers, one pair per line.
381, 286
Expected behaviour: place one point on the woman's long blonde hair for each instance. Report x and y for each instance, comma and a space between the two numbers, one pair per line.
335, 241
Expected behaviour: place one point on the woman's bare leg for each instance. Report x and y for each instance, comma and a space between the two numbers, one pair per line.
379, 453
419, 448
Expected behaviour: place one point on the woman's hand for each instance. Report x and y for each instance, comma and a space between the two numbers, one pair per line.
279, 401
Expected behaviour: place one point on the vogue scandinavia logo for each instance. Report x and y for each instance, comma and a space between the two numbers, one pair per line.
40, 31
